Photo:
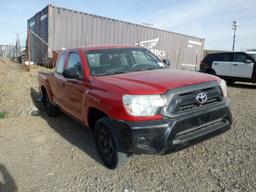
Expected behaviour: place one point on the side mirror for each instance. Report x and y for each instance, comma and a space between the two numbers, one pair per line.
248, 61
167, 62
71, 73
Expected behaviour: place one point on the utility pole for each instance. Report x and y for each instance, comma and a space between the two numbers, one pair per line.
234, 27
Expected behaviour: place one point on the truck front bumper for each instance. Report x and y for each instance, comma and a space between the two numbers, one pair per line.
171, 134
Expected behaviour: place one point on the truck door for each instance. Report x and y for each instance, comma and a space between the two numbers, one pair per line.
58, 81
222, 64
75, 88
241, 67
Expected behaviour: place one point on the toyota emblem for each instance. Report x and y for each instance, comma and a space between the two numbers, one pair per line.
201, 98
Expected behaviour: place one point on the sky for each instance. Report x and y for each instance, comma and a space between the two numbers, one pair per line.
208, 19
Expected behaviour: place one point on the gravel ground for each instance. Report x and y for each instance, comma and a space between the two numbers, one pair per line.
42, 154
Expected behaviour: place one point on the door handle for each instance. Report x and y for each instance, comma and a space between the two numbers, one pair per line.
215, 63
235, 64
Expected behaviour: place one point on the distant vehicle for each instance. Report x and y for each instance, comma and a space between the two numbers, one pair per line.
133, 103
231, 66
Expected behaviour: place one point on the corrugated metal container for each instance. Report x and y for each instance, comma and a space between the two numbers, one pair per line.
64, 28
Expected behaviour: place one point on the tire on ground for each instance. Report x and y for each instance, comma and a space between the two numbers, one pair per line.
107, 146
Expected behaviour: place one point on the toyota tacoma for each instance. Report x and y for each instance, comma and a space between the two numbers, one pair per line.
133, 103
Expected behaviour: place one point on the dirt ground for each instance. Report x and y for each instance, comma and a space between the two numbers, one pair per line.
42, 154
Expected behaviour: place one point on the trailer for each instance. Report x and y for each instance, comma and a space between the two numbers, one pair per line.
55, 28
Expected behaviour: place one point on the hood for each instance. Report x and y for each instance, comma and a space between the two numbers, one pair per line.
156, 81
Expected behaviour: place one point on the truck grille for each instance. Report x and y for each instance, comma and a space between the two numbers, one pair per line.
184, 102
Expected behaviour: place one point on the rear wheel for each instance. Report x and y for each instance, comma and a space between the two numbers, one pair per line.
106, 145
51, 110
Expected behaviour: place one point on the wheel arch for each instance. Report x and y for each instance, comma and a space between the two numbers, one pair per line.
45, 92
93, 115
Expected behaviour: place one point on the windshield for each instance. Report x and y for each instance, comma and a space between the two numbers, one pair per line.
253, 56
121, 60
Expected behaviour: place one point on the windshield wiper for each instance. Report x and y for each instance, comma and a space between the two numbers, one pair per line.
117, 72
111, 73
148, 68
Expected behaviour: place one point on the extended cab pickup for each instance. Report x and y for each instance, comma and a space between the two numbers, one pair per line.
133, 103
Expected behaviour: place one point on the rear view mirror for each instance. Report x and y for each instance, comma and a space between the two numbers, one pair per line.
71, 73
167, 62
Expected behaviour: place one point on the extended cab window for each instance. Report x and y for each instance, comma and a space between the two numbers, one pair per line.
74, 61
61, 63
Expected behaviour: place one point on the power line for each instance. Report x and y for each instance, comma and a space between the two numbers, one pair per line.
217, 14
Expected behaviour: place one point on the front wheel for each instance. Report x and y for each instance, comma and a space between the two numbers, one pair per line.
106, 145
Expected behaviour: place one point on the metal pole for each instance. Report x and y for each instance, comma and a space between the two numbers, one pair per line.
38, 37
234, 40
235, 26
43, 41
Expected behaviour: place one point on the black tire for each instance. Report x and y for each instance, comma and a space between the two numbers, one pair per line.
106, 145
51, 110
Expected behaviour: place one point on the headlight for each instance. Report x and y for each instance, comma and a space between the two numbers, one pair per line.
142, 105
223, 87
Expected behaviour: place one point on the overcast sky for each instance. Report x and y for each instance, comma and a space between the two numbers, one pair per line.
208, 19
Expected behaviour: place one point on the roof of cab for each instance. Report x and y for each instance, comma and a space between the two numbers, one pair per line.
98, 47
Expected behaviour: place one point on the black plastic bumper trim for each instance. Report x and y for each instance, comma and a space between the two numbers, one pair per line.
170, 134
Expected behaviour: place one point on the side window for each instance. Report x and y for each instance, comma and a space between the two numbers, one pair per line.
239, 57
74, 61
61, 63
216, 57
208, 59
219, 57
227, 57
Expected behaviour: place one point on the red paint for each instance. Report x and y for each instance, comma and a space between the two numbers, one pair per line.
76, 97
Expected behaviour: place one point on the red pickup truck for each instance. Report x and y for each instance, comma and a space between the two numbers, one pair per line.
133, 103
